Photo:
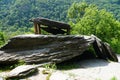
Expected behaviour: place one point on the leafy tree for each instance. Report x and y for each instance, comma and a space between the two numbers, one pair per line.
15, 14
88, 19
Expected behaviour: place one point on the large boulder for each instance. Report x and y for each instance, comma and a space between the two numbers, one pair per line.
39, 49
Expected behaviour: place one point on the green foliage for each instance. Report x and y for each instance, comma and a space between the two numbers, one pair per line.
15, 14
50, 66
19, 63
114, 78
12, 66
115, 43
2, 40
88, 19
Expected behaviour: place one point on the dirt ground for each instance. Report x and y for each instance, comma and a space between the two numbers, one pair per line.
91, 69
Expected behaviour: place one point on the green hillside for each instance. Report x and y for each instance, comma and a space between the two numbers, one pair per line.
15, 14
98, 17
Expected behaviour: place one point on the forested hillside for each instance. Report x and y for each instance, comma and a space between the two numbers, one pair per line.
15, 14
102, 18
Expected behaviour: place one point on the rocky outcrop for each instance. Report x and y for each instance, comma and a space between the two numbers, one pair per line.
21, 71
40, 49
89, 69
103, 50
26, 72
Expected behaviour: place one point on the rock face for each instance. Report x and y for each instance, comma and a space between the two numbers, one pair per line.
39, 49
22, 71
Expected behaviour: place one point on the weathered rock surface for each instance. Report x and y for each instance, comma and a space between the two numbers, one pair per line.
33, 72
21, 71
90, 69
103, 50
39, 49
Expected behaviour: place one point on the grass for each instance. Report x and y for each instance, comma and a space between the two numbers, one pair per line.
114, 78
50, 66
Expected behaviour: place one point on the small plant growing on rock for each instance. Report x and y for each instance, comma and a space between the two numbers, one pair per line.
49, 68
114, 78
